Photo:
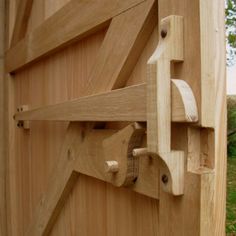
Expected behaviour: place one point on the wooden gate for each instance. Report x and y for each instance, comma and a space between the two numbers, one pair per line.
116, 117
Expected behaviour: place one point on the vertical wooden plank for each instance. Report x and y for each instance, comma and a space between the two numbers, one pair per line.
204, 70
3, 215
208, 46
10, 130
143, 221
190, 71
212, 56
218, 25
174, 212
213, 95
176, 224
99, 82
10, 145
18, 179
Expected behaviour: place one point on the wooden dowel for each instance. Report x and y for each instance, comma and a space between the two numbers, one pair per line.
140, 152
111, 166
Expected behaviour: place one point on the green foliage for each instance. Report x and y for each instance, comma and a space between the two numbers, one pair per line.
231, 197
230, 21
231, 105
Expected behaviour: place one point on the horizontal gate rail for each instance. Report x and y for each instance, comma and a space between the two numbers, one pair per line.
127, 104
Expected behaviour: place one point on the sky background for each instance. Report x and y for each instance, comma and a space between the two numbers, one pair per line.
231, 80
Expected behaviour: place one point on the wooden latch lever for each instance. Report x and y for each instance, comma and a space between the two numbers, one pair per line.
170, 49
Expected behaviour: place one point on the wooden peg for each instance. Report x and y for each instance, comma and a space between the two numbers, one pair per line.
111, 166
139, 152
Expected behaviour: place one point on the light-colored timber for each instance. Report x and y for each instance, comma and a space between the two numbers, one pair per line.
3, 125
21, 21
111, 166
170, 49
130, 137
112, 71
205, 192
83, 152
42, 223
23, 124
137, 152
44, 196
35, 45
127, 104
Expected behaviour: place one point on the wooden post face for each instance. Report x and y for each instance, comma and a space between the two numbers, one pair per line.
117, 138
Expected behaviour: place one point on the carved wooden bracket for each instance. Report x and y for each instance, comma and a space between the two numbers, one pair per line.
107, 154
119, 148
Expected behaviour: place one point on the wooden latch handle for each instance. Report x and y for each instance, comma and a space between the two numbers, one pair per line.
170, 49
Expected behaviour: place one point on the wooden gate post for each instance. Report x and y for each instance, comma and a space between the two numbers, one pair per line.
204, 70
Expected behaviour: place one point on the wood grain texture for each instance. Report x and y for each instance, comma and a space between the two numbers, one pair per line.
220, 138
3, 122
209, 30
67, 23
12, 216
113, 66
60, 185
44, 227
172, 209
63, 76
200, 187
170, 49
119, 147
119, 105
21, 22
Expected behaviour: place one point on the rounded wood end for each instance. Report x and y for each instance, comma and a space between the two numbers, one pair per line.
111, 166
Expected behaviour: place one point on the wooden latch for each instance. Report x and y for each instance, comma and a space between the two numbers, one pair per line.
106, 154
112, 156
169, 50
